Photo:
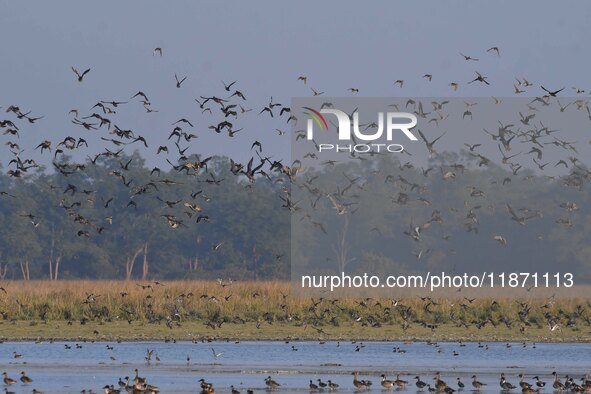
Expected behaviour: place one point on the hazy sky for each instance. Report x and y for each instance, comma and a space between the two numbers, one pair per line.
265, 46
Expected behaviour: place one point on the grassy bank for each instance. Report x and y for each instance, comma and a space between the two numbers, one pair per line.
186, 310
115, 331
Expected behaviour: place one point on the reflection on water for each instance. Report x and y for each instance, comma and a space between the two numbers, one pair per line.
176, 367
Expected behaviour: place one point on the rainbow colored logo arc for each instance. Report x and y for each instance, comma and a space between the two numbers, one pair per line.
317, 117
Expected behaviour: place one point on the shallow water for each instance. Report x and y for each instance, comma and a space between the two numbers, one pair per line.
245, 365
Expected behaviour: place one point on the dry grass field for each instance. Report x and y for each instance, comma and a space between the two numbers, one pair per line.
127, 310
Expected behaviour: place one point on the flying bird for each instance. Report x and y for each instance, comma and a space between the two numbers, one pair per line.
80, 76
554, 93
179, 82
494, 49
316, 93
430, 144
468, 57
480, 78
500, 239
227, 87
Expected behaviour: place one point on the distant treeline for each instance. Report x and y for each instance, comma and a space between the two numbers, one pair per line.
386, 217
118, 218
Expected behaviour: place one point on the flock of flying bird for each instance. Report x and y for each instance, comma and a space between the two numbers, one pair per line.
527, 130
231, 105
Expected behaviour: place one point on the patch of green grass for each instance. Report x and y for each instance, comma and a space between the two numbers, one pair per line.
137, 331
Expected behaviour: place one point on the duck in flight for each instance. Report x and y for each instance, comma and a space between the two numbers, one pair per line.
552, 93
179, 82
80, 76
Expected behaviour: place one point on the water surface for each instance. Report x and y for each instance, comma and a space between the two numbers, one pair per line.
63, 367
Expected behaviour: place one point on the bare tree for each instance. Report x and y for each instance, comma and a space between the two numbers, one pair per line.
341, 248
193, 264
54, 267
145, 267
53, 264
130, 261
3, 269
25, 269
255, 262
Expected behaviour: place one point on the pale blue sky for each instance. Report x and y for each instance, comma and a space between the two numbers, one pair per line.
266, 45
